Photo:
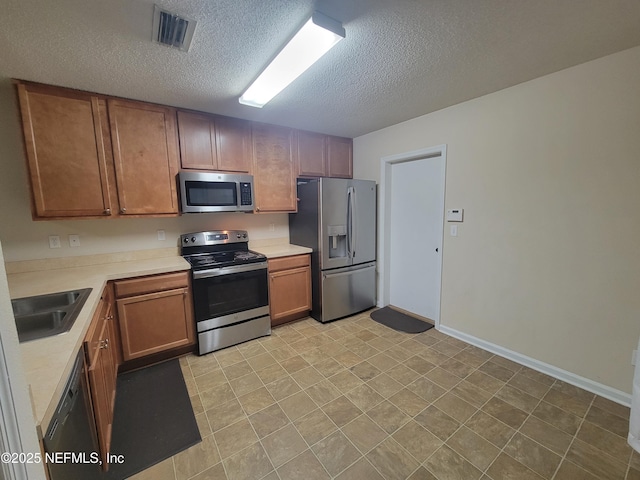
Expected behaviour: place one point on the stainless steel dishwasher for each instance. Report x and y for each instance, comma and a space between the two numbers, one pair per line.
70, 438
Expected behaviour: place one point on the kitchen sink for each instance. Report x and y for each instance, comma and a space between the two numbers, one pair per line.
43, 316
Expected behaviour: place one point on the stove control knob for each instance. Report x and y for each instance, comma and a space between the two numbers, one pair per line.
186, 240
238, 235
244, 235
193, 239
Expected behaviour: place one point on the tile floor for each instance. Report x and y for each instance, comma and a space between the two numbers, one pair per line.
356, 400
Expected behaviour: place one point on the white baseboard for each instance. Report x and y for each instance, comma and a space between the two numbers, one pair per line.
612, 394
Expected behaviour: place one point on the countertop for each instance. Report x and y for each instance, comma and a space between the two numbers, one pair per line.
284, 250
47, 362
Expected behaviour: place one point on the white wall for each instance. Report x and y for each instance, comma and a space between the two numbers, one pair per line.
547, 261
24, 239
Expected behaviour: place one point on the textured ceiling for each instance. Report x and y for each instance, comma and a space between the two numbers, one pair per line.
400, 59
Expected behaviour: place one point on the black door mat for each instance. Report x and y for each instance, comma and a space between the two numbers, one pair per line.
153, 419
399, 321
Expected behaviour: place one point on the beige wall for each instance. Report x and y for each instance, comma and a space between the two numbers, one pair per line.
547, 261
24, 239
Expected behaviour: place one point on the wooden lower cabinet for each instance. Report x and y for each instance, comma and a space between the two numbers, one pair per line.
102, 363
155, 314
289, 288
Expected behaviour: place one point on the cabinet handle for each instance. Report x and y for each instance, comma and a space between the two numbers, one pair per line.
123, 210
107, 211
104, 343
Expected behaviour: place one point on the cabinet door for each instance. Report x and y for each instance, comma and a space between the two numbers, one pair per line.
66, 151
233, 141
102, 373
155, 322
99, 398
274, 169
197, 142
312, 161
289, 293
340, 157
146, 157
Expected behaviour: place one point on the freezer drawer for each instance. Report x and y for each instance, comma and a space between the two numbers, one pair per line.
347, 291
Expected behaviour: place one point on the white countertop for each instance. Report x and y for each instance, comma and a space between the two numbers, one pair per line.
284, 250
47, 362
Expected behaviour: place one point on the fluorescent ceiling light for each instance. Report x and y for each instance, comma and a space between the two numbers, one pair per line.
312, 41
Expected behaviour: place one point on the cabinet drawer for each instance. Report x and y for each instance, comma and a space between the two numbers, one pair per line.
285, 263
156, 283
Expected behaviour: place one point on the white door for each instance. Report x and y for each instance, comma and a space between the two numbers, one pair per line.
415, 236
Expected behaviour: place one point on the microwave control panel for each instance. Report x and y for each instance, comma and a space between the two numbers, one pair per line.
245, 194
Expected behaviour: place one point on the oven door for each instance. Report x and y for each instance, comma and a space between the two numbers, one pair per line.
223, 296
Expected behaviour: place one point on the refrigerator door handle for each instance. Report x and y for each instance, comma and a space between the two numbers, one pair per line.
354, 222
351, 219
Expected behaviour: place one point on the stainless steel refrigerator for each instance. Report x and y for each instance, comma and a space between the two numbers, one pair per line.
337, 219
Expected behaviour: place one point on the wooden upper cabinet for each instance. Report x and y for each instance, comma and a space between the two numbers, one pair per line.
274, 168
233, 141
324, 155
145, 153
312, 157
66, 149
214, 143
340, 157
197, 142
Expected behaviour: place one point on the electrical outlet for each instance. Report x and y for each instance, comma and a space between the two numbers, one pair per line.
54, 241
161, 235
74, 240
272, 227
453, 230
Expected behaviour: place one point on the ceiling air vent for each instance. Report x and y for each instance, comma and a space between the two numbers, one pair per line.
172, 30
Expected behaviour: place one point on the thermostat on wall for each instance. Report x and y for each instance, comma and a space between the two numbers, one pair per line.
454, 214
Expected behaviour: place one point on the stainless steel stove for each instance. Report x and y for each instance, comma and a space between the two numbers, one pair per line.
230, 288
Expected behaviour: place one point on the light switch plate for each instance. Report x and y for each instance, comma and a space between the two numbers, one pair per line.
453, 230
161, 235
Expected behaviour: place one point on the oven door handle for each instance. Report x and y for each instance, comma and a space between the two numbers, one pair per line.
216, 272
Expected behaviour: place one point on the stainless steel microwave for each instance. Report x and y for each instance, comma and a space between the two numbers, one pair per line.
202, 192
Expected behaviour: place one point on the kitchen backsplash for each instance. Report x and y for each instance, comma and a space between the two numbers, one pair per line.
99, 237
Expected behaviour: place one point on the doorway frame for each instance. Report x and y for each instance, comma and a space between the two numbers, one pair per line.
386, 166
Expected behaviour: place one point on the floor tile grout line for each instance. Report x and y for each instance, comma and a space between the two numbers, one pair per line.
463, 424
345, 367
516, 431
573, 439
494, 395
